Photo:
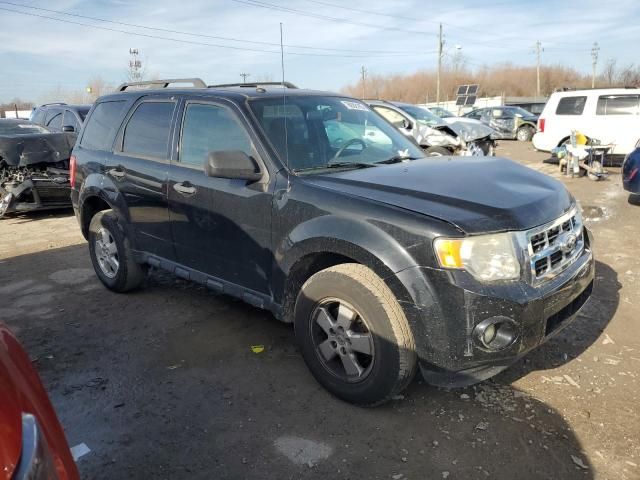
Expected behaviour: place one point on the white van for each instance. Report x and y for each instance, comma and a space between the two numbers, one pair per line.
611, 115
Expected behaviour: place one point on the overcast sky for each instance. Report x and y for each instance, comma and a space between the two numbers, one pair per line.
38, 54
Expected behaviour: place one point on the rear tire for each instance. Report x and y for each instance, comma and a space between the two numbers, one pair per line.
437, 152
354, 336
111, 254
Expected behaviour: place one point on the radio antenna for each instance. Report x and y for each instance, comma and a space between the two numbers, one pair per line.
284, 107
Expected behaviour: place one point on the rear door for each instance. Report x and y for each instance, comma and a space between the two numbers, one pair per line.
221, 227
139, 168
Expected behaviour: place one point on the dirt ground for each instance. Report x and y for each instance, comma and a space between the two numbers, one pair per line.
163, 383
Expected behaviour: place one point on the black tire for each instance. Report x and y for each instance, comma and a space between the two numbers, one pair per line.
524, 134
128, 274
437, 152
392, 364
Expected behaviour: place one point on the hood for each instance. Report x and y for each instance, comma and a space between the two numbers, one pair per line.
471, 131
34, 148
440, 135
477, 194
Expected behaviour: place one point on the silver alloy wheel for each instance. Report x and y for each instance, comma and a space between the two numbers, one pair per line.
106, 251
342, 341
523, 134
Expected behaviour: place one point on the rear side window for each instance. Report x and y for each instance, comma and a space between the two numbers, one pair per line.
101, 126
571, 106
56, 122
147, 133
38, 117
70, 120
617, 105
210, 128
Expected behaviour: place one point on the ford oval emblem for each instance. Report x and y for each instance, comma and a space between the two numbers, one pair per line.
568, 242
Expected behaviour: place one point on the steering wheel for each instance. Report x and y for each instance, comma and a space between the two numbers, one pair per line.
353, 141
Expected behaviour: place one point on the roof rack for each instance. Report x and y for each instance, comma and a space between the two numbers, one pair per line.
166, 83
254, 85
52, 103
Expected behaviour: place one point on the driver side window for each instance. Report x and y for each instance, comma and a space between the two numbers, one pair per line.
209, 128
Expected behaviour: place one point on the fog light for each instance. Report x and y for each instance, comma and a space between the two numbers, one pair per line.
495, 333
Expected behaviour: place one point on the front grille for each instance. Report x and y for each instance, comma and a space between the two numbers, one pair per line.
555, 246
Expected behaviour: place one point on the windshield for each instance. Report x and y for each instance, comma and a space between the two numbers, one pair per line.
422, 115
519, 111
442, 113
321, 131
20, 128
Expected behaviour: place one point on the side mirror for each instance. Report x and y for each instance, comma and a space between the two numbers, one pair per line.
406, 124
69, 129
233, 164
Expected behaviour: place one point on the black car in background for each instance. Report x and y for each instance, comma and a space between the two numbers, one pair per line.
60, 117
510, 123
34, 167
312, 206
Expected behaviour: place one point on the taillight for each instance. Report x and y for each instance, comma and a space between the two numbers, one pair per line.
541, 125
72, 170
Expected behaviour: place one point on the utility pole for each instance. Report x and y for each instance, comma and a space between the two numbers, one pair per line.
135, 66
539, 50
440, 46
244, 77
363, 73
594, 57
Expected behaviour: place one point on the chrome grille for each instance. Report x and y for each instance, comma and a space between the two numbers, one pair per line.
555, 246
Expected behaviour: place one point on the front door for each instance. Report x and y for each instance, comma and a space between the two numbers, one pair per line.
221, 226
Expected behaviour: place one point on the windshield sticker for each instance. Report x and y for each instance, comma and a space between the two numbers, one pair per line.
355, 105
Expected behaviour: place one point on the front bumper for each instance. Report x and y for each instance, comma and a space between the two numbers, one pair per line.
450, 304
35, 194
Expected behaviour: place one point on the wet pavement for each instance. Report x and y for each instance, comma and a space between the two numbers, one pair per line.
163, 382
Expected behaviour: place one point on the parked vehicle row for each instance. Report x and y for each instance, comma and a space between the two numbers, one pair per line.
433, 134
510, 123
312, 206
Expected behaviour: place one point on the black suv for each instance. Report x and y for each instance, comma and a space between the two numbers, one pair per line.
382, 258
60, 117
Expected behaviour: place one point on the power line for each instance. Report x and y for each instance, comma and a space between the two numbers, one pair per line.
190, 42
191, 34
271, 6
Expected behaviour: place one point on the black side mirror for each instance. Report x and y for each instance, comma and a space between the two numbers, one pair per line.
406, 124
232, 164
68, 128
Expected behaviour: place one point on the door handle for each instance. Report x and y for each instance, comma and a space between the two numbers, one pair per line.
116, 172
184, 188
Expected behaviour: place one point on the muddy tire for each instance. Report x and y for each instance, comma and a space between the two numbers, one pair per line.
437, 152
524, 134
111, 254
354, 336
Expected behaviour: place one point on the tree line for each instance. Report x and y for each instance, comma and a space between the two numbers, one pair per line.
505, 79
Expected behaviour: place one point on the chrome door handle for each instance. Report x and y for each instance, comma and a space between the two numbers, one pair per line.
184, 188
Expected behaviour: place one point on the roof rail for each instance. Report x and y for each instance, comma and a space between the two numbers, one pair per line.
254, 85
52, 103
195, 83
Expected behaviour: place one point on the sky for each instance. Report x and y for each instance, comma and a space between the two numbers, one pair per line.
327, 41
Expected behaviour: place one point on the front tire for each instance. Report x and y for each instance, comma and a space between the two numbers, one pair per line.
354, 336
111, 254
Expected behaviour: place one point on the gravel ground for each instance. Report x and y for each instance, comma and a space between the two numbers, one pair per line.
163, 382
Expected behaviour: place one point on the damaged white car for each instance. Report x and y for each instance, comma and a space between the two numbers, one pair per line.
435, 136
34, 167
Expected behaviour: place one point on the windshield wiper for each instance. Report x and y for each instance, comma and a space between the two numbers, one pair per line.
396, 159
336, 165
349, 164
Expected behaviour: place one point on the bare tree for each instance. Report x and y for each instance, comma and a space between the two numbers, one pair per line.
609, 71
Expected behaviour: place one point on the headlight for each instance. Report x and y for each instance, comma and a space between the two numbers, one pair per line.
486, 257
